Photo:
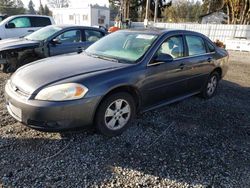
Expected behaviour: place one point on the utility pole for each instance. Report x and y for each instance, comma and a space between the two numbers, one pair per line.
146, 16
156, 10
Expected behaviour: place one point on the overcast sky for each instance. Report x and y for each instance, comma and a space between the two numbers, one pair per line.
74, 2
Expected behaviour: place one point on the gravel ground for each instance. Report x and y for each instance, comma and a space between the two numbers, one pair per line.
193, 143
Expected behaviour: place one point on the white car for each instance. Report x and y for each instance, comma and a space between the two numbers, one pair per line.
22, 25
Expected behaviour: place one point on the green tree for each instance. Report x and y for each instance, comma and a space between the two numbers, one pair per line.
31, 7
41, 10
137, 8
11, 7
114, 6
47, 11
184, 11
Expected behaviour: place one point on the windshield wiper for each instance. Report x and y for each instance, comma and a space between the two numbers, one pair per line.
108, 58
102, 57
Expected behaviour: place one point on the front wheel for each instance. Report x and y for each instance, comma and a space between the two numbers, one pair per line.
211, 86
115, 113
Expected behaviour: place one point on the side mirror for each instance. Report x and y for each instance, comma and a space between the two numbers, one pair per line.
163, 58
10, 25
55, 41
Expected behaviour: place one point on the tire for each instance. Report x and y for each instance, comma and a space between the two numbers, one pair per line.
10, 68
3, 68
210, 88
114, 114
7, 68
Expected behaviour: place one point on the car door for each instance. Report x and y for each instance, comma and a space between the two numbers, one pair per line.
198, 63
18, 27
67, 42
166, 81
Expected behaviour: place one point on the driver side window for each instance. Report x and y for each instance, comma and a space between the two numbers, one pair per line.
21, 22
70, 37
172, 46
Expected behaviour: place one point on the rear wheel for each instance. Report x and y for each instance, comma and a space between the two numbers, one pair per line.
211, 85
115, 113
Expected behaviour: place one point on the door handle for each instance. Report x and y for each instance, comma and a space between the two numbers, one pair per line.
181, 66
80, 50
30, 31
209, 59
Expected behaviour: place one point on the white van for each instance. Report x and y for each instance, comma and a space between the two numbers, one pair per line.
22, 25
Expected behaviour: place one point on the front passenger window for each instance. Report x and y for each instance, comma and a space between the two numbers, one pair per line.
172, 46
70, 36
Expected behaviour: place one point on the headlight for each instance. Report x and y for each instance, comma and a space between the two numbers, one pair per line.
62, 92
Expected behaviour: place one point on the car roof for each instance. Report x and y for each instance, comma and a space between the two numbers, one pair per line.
66, 26
161, 31
30, 15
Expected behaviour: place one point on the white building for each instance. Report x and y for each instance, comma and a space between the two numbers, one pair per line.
89, 15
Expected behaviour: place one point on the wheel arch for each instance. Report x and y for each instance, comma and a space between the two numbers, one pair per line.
218, 70
133, 91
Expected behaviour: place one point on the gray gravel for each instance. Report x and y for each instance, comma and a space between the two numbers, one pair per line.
193, 143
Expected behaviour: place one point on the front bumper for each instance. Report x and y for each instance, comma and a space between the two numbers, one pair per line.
51, 116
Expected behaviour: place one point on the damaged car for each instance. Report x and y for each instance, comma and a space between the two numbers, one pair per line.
49, 41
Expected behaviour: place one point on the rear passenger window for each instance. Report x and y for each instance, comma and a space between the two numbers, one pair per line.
196, 45
93, 36
40, 21
20, 22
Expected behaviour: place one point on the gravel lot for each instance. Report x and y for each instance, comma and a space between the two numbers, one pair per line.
193, 143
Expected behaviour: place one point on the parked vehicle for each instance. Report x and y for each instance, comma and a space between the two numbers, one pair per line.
119, 75
48, 41
22, 25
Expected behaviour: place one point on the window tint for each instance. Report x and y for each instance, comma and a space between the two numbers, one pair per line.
21, 22
93, 36
70, 36
172, 46
196, 45
40, 21
211, 48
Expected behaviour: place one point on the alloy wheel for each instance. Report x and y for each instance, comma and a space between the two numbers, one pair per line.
117, 114
212, 84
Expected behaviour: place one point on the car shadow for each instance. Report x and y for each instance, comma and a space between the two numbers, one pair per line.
195, 142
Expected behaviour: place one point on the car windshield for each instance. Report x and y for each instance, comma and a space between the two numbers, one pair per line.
43, 33
122, 46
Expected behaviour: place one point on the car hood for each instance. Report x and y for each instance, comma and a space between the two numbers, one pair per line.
15, 43
34, 76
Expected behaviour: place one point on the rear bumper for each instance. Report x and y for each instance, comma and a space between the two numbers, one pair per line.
51, 116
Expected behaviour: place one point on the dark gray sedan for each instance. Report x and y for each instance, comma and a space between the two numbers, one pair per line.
116, 77
48, 41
